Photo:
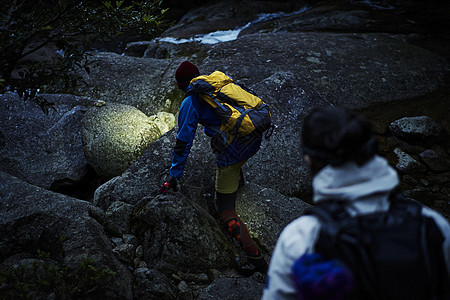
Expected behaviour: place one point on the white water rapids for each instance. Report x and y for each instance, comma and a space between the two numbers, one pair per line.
229, 35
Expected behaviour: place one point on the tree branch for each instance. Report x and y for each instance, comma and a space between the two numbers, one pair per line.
12, 9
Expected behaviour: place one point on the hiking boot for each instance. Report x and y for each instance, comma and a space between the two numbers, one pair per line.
234, 230
249, 264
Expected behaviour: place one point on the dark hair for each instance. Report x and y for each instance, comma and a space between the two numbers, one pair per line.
335, 135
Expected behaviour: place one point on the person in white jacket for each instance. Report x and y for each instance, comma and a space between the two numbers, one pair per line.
341, 151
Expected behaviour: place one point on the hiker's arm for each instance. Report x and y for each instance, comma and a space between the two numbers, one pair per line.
444, 226
295, 240
187, 125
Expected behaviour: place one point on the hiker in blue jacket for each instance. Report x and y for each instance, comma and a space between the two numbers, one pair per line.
194, 111
341, 152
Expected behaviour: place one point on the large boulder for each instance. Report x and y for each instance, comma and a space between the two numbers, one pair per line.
145, 83
176, 231
34, 220
115, 135
325, 69
44, 150
349, 69
148, 173
266, 212
164, 120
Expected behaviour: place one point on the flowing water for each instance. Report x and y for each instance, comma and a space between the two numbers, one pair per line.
232, 34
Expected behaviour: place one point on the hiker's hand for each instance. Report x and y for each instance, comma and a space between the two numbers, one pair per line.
171, 184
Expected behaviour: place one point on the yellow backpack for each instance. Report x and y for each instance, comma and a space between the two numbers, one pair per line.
240, 111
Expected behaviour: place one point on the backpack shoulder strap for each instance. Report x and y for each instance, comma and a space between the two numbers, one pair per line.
431, 240
333, 217
329, 211
207, 86
400, 202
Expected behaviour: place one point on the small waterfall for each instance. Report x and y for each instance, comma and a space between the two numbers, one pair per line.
232, 34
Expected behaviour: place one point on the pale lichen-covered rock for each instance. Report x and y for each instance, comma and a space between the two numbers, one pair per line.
164, 120
115, 135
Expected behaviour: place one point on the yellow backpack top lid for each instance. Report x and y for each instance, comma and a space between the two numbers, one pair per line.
240, 111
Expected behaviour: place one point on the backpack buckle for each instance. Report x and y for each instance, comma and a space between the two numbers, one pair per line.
269, 132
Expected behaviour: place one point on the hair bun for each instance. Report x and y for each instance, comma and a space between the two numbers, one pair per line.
335, 135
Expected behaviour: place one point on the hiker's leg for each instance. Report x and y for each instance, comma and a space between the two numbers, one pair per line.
227, 183
228, 178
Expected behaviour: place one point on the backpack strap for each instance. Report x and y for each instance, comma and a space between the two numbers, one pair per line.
329, 211
238, 123
334, 218
414, 209
400, 202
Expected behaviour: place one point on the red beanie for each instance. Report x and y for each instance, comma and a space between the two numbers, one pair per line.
185, 73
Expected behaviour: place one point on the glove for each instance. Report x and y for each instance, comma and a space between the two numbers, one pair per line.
171, 184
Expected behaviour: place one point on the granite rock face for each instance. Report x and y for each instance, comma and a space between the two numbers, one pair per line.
114, 136
33, 219
172, 246
43, 150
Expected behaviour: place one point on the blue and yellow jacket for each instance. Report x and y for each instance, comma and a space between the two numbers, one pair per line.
194, 111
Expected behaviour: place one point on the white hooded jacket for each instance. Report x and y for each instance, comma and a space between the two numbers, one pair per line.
366, 189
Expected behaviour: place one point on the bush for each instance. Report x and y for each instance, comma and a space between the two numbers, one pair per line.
70, 28
43, 277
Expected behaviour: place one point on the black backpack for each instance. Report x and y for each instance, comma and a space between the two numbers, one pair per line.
396, 254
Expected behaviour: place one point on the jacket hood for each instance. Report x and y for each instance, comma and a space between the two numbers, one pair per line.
350, 182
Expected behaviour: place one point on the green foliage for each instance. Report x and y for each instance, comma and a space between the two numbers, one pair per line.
69, 28
43, 277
